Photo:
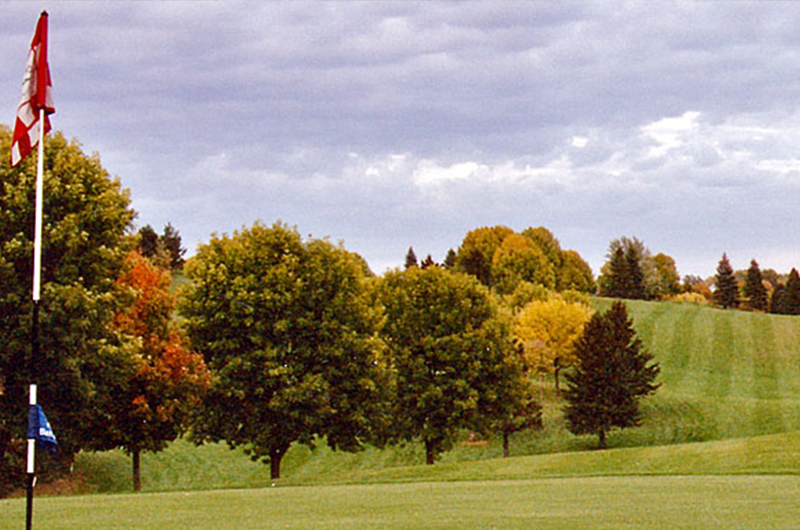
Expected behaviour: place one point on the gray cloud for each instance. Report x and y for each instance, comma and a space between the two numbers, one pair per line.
390, 124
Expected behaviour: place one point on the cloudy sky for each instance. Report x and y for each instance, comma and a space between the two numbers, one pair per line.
396, 124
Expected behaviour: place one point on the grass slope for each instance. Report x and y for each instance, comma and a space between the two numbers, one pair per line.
729, 377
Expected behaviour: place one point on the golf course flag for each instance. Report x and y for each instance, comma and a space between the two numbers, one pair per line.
39, 429
36, 100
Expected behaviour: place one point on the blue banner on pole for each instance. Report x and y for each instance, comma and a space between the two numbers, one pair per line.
39, 429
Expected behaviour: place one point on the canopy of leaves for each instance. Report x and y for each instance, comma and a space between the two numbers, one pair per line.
87, 217
450, 354
547, 331
288, 330
155, 406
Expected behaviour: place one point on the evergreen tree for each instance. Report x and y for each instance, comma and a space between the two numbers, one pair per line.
450, 259
411, 258
633, 276
615, 284
612, 373
726, 294
754, 290
148, 241
170, 244
792, 295
777, 303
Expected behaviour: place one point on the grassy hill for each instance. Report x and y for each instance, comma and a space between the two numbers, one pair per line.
729, 403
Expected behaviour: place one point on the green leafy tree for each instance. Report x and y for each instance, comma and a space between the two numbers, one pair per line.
576, 274
288, 330
449, 352
754, 291
519, 259
726, 294
612, 374
476, 253
87, 218
667, 280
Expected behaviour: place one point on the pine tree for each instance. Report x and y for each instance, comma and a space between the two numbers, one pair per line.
754, 290
634, 277
450, 259
792, 294
411, 258
612, 373
777, 303
726, 294
148, 241
616, 285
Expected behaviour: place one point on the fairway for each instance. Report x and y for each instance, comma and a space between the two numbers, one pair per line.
594, 502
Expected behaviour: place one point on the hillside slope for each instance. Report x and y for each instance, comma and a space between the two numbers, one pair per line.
726, 375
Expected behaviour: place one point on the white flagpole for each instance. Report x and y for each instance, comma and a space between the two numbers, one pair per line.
37, 234
37, 280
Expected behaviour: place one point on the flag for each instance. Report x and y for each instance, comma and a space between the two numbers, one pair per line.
39, 429
37, 94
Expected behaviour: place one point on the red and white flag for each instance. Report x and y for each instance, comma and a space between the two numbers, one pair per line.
37, 94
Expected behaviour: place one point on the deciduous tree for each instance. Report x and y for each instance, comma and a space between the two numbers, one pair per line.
87, 218
477, 250
288, 330
547, 331
449, 352
155, 406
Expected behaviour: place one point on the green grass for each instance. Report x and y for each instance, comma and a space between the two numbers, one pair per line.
666, 502
720, 447
725, 375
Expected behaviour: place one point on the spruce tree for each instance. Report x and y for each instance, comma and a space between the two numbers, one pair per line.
411, 258
792, 294
726, 294
634, 277
613, 371
616, 284
754, 290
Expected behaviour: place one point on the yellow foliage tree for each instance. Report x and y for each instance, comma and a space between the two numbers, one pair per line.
547, 331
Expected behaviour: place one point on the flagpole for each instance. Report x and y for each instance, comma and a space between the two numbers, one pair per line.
36, 294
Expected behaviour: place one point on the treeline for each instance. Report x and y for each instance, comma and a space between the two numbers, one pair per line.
280, 340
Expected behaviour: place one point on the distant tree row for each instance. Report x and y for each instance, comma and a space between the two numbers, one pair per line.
166, 248
504, 260
632, 272
755, 292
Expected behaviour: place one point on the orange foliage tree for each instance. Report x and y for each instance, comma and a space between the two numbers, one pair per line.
155, 403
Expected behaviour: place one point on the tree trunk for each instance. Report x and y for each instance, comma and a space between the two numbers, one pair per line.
506, 452
137, 469
430, 455
601, 434
275, 457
